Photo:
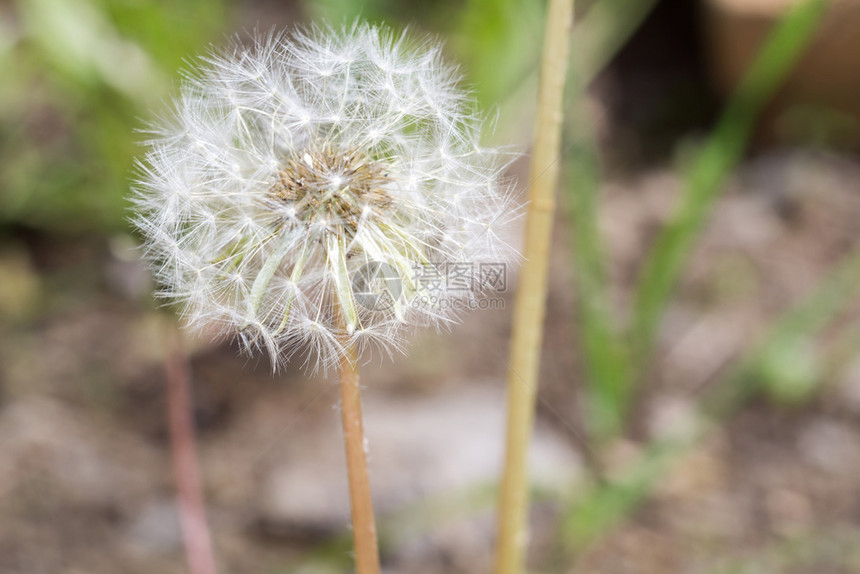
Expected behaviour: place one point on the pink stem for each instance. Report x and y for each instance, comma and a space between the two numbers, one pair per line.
192, 509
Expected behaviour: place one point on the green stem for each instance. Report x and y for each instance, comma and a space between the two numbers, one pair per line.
530, 306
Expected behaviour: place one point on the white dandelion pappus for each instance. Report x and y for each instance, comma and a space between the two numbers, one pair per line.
300, 182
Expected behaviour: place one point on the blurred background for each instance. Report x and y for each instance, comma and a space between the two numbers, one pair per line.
700, 392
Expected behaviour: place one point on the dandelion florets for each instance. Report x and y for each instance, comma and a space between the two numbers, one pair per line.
302, 186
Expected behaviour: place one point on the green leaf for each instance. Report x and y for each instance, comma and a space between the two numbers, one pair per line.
604, 30
704, 180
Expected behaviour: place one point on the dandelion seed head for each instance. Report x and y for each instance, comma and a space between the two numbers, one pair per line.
293, 169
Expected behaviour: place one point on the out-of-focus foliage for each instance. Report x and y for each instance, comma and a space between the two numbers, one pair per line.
78, 77
496, 41
614, 363
790, 371
713, 165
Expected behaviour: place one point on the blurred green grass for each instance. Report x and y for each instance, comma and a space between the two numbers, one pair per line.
617, 360
79, 77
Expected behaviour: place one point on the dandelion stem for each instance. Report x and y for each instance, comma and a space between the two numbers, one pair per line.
192, 510
363, 524
530, 305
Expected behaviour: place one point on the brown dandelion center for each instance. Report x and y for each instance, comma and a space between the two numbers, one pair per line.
328, 186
